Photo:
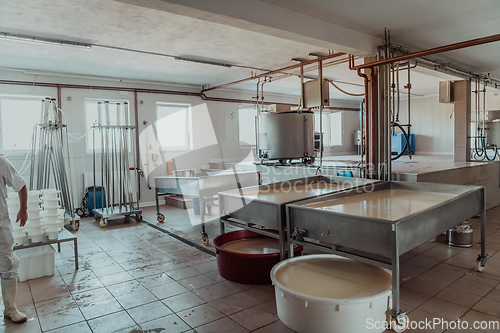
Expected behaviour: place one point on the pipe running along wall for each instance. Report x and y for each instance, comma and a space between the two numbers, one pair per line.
371, 145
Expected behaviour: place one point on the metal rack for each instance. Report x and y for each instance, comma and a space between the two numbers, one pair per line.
118, 178
49, 150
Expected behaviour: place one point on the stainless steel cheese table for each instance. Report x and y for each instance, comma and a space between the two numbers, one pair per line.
204, 186
259, 207
385, 221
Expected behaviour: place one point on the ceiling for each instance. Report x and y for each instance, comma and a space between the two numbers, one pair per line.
137, 39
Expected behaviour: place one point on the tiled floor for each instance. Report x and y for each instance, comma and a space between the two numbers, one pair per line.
133, 278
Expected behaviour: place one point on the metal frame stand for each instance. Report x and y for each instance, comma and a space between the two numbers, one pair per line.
48, 145
120, 195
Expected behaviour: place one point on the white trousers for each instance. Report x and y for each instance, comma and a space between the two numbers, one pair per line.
9, 263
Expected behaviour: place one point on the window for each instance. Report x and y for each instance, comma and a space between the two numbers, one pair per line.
19, 115
336, 129
246, 125
332, 128
173, 126
116, 116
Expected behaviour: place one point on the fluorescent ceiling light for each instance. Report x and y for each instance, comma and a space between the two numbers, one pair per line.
205, 62
34, 39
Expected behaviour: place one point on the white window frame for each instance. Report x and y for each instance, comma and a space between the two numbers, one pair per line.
328, 118
88, 123
242, 143
188, 140
14, 150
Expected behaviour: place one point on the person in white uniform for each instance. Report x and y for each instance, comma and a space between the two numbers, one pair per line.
9, 263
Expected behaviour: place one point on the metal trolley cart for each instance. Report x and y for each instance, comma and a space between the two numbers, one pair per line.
205, 187
264, 206
348, 225
49, 156
118, 178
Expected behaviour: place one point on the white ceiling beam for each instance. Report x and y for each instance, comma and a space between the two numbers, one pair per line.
268, 19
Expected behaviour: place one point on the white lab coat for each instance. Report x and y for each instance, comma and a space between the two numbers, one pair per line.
9, 263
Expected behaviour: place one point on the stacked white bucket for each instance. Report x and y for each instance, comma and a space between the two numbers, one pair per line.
48, 221
14, 205
34, 224
53, 215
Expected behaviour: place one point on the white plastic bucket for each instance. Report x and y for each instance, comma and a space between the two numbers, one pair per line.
50, 194
50, 204
34, 195
51, 212
311, 314
36, 237
34, 213
52, 233
35, 222
19, 235
52, 224
13, 207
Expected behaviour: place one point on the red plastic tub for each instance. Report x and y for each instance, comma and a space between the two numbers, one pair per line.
246, 268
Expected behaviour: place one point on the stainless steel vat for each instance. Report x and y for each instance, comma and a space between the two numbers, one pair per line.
285, 135
379, 241
252, 212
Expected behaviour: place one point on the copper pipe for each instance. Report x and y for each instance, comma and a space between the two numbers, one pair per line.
276, 71
366, 138
373, 127
446, 48
138, 90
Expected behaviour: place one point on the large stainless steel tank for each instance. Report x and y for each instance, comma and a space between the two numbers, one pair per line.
285, 135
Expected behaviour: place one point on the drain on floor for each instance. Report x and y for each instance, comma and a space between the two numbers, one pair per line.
179, 238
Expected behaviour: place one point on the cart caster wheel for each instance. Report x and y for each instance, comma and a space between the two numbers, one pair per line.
205, 239
103, 223
138, 218
77, 225
97, 218
160, 217
400, 324
480, 265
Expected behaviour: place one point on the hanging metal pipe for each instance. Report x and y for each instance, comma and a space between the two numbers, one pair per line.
373, 126
366, 131
276, 71
409, 113
137, 153
441, 49
321, 143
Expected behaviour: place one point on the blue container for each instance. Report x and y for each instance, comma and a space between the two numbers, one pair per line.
398, 142
196, 206
99, 194
344, 173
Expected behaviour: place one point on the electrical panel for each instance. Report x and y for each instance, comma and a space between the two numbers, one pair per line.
312, 94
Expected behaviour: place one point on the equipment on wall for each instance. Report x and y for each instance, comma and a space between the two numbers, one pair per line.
49, 155
118, 177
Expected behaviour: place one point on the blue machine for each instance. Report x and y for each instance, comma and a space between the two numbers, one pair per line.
398, 142
100, 194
